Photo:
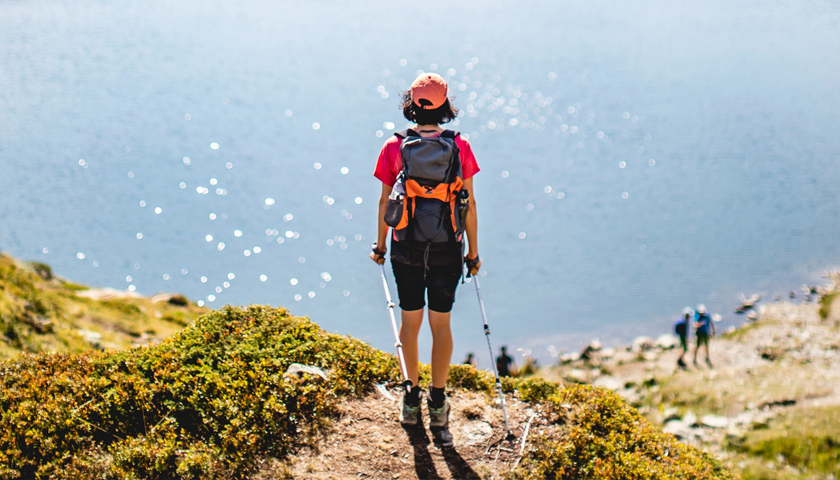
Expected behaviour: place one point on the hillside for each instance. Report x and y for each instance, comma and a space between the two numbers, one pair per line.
41, 312
770, 405
219, 399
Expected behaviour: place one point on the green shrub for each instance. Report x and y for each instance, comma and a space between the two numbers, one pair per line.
603, 438
207, 402
825, 304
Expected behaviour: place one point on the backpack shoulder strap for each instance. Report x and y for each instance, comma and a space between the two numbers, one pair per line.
403, 134
449, 134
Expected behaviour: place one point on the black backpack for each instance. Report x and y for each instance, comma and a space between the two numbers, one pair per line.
428, 205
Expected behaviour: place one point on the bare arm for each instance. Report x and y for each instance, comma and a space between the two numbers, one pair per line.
382, 227
471, 226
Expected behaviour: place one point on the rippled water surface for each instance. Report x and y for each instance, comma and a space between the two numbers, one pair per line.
636, 156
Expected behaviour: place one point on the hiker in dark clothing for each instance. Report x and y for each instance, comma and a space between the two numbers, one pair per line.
503, 363
470, 360
704, 327
681, 327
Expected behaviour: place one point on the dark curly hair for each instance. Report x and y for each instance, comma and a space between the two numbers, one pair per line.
443, 114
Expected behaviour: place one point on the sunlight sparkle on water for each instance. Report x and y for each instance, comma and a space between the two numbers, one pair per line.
139, 235
187, 160
263, 278
208, 237
237, 233
269, 201
231, 276
203, 279
214, 146
522, 235
317, 165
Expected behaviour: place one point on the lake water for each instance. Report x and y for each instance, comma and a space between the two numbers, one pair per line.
636, 156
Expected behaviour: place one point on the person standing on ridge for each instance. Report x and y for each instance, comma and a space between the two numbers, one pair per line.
426, 174
503, 363
681, 327
470, 360
704, 327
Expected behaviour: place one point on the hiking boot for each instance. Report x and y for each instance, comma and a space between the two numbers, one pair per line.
709, 363
681, 364
439, 417
409, 415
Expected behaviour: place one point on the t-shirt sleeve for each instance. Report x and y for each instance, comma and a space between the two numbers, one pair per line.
469, 166
385, 164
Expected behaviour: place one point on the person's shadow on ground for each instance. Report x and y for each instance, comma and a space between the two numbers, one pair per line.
424, 465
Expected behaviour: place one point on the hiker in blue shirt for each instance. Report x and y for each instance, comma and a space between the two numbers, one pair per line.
704, 327
681, 327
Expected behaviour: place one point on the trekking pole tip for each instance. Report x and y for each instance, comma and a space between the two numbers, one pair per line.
510, 437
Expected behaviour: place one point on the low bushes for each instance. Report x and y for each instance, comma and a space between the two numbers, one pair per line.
213, 400
598, 436
206, 403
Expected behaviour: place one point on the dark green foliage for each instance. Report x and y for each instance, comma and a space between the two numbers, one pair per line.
206, 403
42, 269
602, 438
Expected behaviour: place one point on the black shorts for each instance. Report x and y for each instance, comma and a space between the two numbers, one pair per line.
440, 282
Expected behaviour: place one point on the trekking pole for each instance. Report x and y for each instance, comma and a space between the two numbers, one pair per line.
398, 344
510, 436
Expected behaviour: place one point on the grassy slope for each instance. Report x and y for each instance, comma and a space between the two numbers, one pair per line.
214, 400
40, 312
776, 380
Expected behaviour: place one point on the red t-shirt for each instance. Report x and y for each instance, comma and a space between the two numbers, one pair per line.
390, 161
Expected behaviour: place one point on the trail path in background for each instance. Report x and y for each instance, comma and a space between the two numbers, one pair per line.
368, 441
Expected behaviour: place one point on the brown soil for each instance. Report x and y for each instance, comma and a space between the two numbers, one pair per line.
368, 441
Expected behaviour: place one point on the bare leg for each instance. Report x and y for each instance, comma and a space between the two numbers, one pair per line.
441, 347
409, 329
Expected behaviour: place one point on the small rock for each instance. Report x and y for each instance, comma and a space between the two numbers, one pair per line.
577, 375
670, 414
608, 382
643, 344
666, 341
714, 421
299, 368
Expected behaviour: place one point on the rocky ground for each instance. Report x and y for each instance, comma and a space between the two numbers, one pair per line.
369, 442
766, 377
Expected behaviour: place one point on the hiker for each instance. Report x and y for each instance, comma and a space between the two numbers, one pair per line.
503, 363
681, 327
703, 328
427, 244
470, 360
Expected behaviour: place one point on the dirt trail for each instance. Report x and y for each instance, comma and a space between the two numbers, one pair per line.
369, 442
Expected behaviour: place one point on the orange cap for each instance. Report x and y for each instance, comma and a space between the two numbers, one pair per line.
429, 91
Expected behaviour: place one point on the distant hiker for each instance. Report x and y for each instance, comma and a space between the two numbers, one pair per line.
503, 363
704, 327
470, 360
426, 174
681, 327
